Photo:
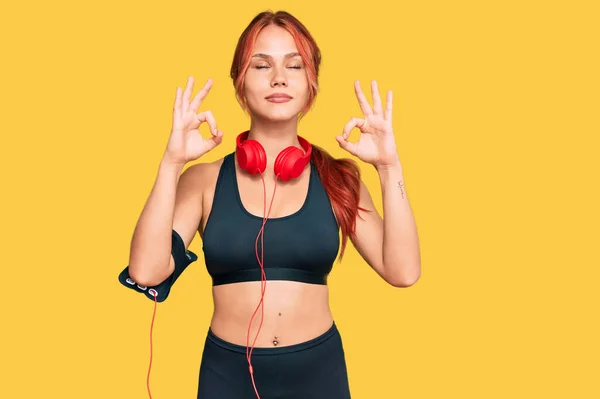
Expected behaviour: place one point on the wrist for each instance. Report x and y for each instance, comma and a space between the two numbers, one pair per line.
167, 164
394, 166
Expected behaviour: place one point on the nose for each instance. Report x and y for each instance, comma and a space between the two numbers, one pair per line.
278, 79
278, 82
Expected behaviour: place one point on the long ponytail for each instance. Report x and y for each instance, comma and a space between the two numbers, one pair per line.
341, 179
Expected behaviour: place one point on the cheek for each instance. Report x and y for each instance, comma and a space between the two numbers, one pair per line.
252, 84
306, 91
298, 84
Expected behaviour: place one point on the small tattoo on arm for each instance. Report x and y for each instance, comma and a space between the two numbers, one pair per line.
401, 185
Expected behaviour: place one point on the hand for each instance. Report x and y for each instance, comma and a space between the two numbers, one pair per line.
376, 144
185, 143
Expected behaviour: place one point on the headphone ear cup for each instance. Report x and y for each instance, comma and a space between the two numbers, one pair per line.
251, 157
261, 157
289, 163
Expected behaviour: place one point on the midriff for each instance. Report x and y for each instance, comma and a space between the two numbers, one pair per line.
294, 312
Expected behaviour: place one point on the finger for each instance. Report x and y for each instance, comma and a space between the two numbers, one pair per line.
207, 116
388, 106
359, 123
218, 138
362, 100
177, 103
214, 141
352, 148
177, 109
376, 99
351, 124
187, 93
212, 122
197, 101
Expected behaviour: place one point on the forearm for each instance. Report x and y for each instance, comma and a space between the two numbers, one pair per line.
151, 243
401, 253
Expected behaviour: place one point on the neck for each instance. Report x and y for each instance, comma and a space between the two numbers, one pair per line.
274, 136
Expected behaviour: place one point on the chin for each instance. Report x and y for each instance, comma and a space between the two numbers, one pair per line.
279, 115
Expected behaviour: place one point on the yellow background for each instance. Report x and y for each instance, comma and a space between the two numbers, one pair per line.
496, 115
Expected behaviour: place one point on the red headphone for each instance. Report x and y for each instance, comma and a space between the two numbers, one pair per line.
290, 162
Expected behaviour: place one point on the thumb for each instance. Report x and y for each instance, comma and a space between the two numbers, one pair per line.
352, 148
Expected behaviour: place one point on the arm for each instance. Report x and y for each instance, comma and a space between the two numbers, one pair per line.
173, 210
173, 204
389, 245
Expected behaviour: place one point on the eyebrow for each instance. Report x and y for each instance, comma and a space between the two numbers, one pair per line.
289, 55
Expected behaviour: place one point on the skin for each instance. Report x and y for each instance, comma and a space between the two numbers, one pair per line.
295, 312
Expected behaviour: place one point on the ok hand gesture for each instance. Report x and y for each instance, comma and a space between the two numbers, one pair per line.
376, 144
185, 143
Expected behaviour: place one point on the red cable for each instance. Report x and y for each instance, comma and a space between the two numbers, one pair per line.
263, 278
263, 284
263, 289
149, 367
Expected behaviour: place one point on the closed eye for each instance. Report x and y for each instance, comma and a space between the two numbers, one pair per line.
265, 66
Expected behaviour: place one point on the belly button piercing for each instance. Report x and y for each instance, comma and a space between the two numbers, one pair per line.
275, 342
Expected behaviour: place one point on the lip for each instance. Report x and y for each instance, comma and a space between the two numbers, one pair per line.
278, 98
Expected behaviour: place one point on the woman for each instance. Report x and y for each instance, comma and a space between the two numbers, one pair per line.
291, 348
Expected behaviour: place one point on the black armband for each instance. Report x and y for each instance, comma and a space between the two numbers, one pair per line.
183, 258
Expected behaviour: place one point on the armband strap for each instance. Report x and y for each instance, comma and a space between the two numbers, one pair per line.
183, 258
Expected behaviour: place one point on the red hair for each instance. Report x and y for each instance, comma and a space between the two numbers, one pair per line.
340, 177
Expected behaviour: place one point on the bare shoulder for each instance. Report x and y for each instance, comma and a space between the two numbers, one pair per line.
203, 174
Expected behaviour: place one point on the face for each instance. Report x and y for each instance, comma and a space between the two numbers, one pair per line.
275, 67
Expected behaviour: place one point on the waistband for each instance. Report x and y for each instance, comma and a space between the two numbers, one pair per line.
275, 350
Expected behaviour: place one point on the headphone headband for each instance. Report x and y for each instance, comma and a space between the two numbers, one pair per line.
305, 144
